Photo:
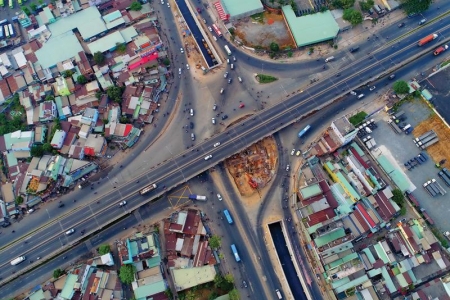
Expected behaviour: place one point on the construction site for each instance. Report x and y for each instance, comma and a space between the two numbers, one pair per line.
253, 168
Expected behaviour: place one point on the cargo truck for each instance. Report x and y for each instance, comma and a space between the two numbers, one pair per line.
197, 197
429, 189
17, 260
440, 50
83, 183
427, 39
427, 218
425, 135
148, 188
426, 140
433, 186
444, 178
412, 199
446, 172
439, 187
432, 142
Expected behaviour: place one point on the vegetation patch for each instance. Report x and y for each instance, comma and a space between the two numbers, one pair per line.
358, 118
262, 78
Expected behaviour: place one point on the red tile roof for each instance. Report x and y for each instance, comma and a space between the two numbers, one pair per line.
366, 215
361, 220
359, 158
321, 216
386, 210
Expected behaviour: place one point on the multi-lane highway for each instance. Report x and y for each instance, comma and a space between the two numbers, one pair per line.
235, 138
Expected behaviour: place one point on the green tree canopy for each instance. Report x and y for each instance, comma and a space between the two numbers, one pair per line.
37, 151
99, 58
233, 294
366, 5
229, 278
81, 79
67, 73
26, 10
18, 200
126, 273
115, 94
215, 241
47, 147
57, 273
166, 61
400, 87
398, 197
353, 16
136, 6
274, 47
415, 6
121, 47
344, 4
104, 249
33, 6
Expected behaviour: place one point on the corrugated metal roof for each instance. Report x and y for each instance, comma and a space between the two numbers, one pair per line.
238, 7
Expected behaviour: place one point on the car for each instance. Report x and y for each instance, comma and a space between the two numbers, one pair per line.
242, 105
213, 120
208, 157
392, 76
232, 66
298, 153
191, 112
229, 80
181, 50
191, 125
240, 79
423, 21
217, 144
187, 66
214, 106
31, 210
244, 284
221, 90
123, 203
354, 49
61, 205
228, 61
293, 152
360, 96
204, 21
70, 231
179, 71
234, 58
353, 93
209, 28
403, 220
199, 9
219, 197
192, 136
402, 24
225, 75
224, 117
288, 167
162, 1
372, 88
168, 4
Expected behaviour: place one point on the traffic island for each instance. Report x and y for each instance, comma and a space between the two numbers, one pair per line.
263, 78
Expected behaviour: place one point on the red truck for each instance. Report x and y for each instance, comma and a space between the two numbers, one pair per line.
440, 49
427, 39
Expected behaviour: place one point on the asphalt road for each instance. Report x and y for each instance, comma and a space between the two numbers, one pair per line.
179, 169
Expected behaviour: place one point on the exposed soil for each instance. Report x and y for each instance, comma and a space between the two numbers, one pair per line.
440, 150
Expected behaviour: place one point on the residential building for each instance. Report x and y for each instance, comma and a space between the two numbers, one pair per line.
47, 111
58, 139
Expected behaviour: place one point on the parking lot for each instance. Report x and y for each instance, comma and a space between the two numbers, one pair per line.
401, 148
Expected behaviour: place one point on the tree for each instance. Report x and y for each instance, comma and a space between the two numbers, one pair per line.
398, 197
274, 47
115, 94
166, 61
81, 79
67, 73
41, 1
26, 10
47, 147
98, 94
37, 151
415, 6
136, 6
126, 273
215, 241
366, 5
57, 273
99, 58
353, 16
400, 87
344, 4
229, 278
18, 200
233, 294
49, 97
294, 6
104, 249
33, 6
121, 48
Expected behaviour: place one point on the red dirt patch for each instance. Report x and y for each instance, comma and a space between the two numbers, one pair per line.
270, 21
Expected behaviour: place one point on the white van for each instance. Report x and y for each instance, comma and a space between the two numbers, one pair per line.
329, 59
70, 231
214, 37
360, 96
240, 79
191, 112
232, 66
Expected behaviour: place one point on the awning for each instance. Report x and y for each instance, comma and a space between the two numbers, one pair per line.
221, 11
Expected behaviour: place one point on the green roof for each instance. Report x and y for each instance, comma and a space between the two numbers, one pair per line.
310, 191
88, 22
311, 29
343, 181
396, 175
150, 289
108, 42
427, 95
57, 49
239, 8
327, 238
128, 34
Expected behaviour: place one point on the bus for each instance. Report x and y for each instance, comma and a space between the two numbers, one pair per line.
215, 28
11, 31
235, 253
227, 49
20, 2
228, 216
2, 3
1, 31
303, 131
17, 261
6, 31
11, 4
148, 188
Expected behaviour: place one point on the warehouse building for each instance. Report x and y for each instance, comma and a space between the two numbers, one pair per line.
230, 10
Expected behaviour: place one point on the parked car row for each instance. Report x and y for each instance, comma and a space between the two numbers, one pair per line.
366, 128
417, 160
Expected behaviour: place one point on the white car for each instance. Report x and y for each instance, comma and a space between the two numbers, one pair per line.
234, 58
191, 112
298, 153
293, 152
214, 106
213, 120
208, 157
221, 90
217, 144
187, 66
240, 79
288, 167
225, 75
168, 5
372, 88
70, 231
123, 203
162, 1
209, 28
353, 93
181, 50
179, 71
219, 197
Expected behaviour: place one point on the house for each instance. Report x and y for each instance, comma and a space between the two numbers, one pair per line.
58, 139
17, 141
40, 134
47, 111
89, 116
95, 145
